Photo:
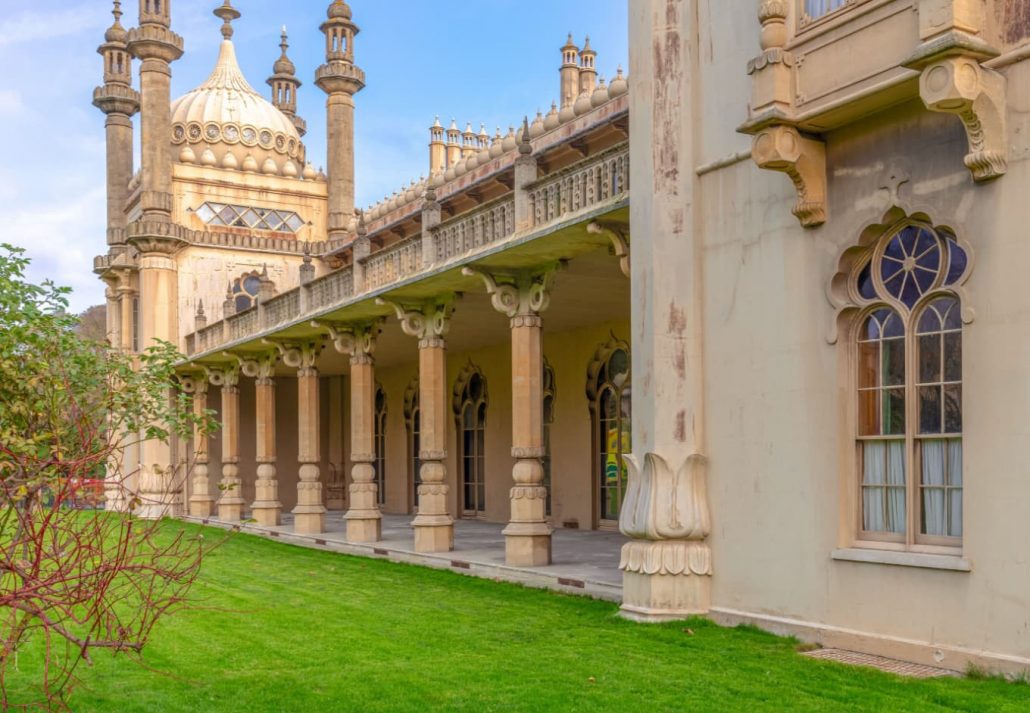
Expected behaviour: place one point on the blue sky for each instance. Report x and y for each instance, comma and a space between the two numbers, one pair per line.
489, 62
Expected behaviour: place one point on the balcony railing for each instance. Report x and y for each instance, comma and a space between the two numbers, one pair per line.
582, 187
394, 263
486, 225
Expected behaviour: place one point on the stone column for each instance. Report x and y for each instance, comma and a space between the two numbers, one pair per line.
434, 526
125, 297
526, 172
267, 510
309, 515
201, 500
523, 298
364, 521
231, 502
667, 566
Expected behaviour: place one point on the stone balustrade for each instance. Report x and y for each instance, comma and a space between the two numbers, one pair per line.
560, 196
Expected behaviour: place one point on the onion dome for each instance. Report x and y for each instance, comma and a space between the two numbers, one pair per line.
619, 85
339, 9
226, 112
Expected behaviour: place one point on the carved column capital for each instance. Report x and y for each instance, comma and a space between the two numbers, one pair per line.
357, 340
227, 377
977, 96
259, 366
427, 322
520, 294
803, 159
302, 356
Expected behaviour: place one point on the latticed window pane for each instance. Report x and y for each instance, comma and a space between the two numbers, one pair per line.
817, 8
236, 216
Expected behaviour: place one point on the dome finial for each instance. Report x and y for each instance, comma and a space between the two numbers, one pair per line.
227, 13
117, 12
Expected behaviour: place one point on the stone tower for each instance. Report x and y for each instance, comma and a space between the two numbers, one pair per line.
284, 84
570, 80
437, 148
341, 79
119, 101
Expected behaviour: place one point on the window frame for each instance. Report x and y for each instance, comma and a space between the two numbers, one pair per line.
463, 401
379, 429
806, 22
860, 309
595, 392
413, 427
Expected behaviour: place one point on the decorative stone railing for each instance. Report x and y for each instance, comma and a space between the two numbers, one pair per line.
487, 225
586, 186
581, 186
394, 263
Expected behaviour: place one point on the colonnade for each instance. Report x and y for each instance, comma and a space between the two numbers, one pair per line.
521, 296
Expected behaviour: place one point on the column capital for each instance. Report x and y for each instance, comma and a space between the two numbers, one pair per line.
518, 294
429, 322
259, 366
227, 376
355, 339
301, 356
194, 383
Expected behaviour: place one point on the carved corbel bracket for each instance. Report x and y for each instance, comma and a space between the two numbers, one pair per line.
976, 95
431, 320
618, 234
803, 159
521, 293
227, 377
355, 340
297, 355
259, 366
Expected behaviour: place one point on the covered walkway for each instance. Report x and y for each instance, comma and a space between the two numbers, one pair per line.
584, 562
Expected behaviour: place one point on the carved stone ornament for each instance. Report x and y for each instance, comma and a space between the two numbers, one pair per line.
524, 293
976, 95
260, 366
803, 159
227, 377
431, 320
355, 340
618, 234
301, 356
663, 503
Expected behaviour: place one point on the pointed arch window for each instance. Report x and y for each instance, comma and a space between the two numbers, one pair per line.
908, 357
470, 405
379, 438
412, 421
245, 290
609, 390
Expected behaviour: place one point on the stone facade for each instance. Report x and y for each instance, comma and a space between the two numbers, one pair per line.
797, 444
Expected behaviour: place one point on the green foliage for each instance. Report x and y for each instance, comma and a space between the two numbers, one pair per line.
67, 403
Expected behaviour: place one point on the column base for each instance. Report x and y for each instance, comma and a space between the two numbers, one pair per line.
527, 544
201, 508
434, 538
230, 512
665, 581
309, 523
267, 515
153, 510
364, 528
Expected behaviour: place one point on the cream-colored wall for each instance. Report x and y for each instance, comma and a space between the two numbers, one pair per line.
204, 274
195, 185
773, 395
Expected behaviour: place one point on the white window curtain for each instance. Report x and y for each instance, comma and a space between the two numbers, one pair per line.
942, 487
818, 8
883, 491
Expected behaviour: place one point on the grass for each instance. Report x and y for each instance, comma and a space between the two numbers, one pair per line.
289, 629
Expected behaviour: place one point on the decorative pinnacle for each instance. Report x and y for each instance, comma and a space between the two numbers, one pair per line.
227, 13
285, 44
200, 308
525, 148
117, 12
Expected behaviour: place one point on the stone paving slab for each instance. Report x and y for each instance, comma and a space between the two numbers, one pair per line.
584, 562
900, 668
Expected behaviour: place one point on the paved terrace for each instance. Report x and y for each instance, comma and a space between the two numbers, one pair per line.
585, 562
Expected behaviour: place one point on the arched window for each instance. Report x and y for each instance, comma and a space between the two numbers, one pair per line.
609, 392
379, 436
470, 402
549, 396
412, 422
908, 357
245, 289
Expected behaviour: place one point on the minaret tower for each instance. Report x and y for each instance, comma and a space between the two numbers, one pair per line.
341, 79
119, 101
453, 144
284, 84
157, 46
587, 69
437, 148
569, 74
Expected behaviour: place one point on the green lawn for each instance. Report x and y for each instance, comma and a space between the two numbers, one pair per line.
290, 629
